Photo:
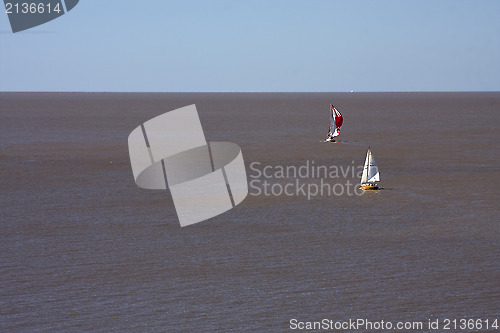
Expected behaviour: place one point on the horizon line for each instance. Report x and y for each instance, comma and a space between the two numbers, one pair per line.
251, 91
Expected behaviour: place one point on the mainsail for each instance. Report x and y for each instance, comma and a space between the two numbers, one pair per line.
370, 170
336, 121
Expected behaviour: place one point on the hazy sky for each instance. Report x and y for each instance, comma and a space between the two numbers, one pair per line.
268, 45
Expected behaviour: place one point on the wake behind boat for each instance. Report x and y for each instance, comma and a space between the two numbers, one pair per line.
336, 121
370, 175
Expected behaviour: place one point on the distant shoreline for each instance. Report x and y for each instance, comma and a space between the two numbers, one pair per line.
249, 92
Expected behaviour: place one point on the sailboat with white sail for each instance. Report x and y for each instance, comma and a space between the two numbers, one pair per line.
336, 121
370, 175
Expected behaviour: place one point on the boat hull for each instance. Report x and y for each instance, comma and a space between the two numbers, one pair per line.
369, 187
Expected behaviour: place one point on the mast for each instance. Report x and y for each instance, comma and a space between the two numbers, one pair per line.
332, 122
369, 163
330, 127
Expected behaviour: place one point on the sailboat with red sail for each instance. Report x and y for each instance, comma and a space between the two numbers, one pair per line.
336, 121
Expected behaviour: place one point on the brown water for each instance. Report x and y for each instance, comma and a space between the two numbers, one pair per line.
84, 249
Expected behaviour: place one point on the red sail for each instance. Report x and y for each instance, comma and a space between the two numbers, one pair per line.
338, 118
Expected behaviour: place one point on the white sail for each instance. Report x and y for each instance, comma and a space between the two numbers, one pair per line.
370, 170
332, 123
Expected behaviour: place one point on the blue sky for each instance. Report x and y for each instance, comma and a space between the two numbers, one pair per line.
271, 45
